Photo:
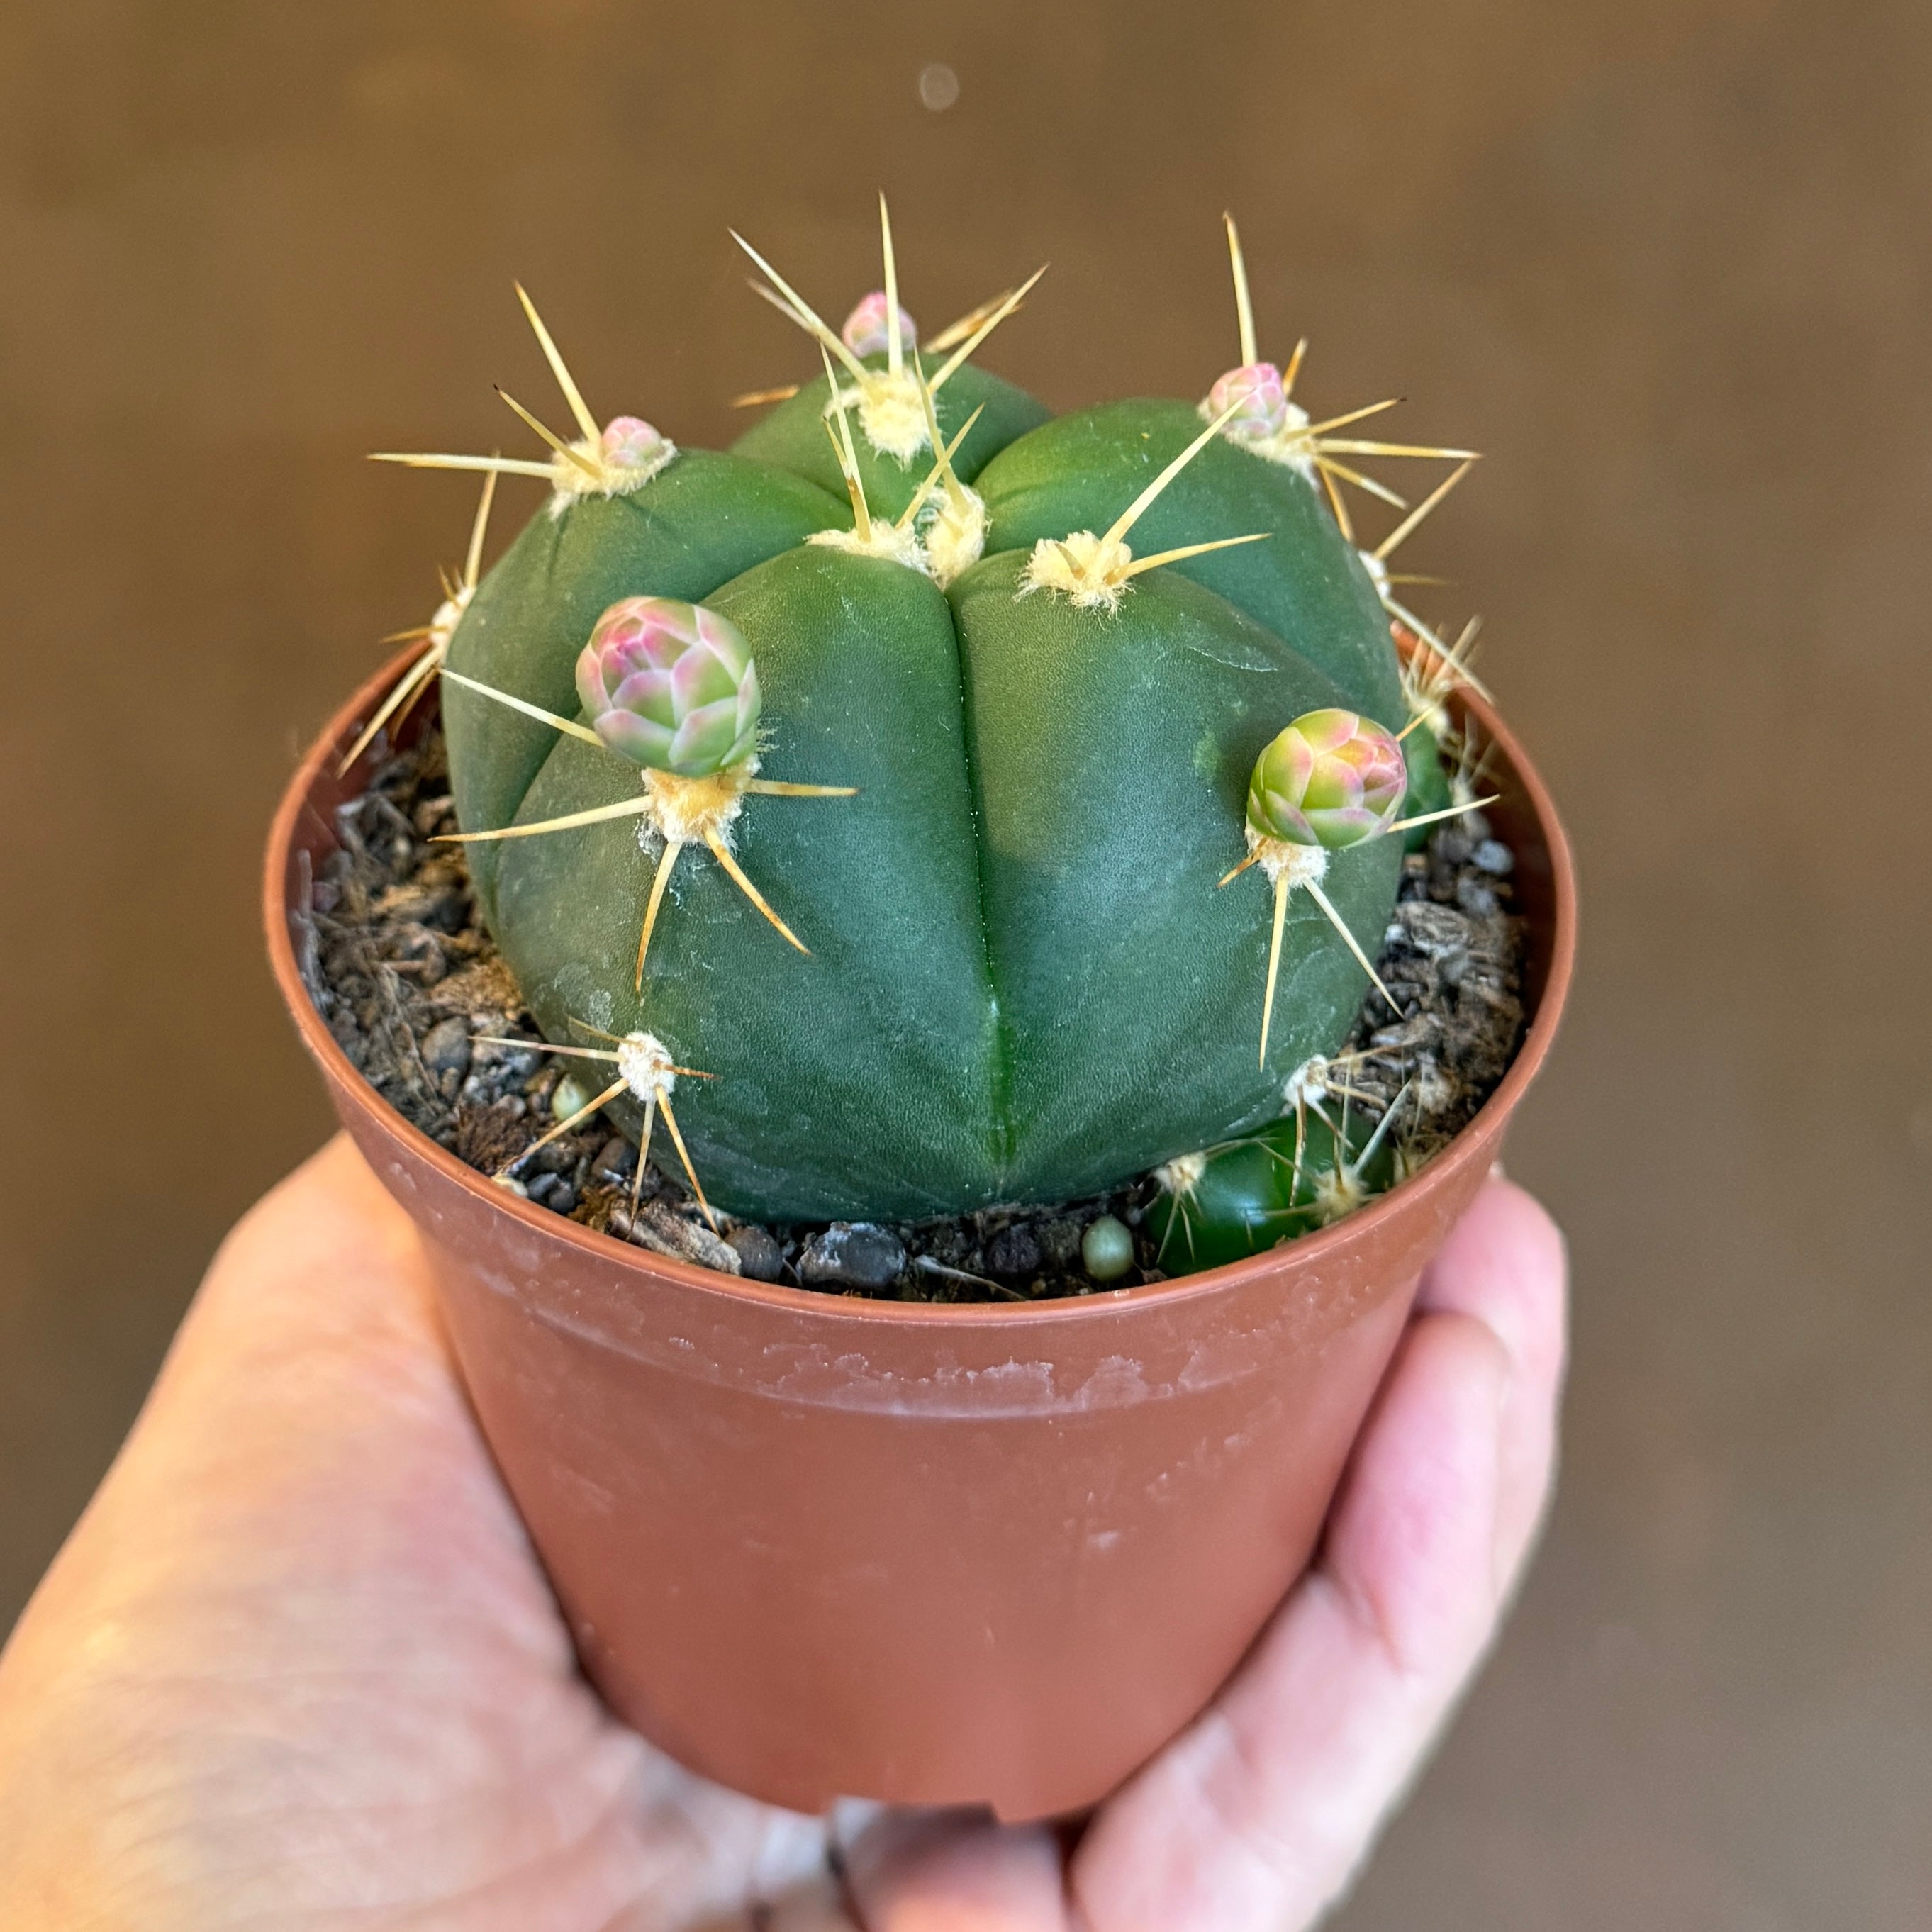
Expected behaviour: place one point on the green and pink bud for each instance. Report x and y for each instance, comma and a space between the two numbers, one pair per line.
865, 332
629, 443
671, 686
1332, 779
1264, 407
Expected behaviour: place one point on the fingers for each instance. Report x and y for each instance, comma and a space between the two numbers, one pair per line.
325, 1249
1504, 1265
300, 1614
1392, 1539
1257, 1816
945, 1871
306, 1440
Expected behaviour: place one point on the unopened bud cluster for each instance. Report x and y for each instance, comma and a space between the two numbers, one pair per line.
1332, 779
671, 686
867, 331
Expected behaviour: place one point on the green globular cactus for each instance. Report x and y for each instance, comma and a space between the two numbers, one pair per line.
949, 934
1305, 1171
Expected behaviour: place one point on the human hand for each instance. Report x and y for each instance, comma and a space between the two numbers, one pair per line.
297, 1666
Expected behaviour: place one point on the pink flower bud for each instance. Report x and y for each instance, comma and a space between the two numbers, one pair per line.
1257, 387
629, 443
671, 685
865, 331
1332, 778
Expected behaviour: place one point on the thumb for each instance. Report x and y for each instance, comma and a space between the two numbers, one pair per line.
956, 1871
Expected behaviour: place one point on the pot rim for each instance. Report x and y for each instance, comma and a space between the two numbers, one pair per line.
1309, 1250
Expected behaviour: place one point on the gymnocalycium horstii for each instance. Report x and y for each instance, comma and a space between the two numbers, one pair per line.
900, 767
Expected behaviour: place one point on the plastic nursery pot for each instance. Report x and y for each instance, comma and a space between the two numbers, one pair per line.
815, 1546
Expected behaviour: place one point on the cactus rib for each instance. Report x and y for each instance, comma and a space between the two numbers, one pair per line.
1094, 572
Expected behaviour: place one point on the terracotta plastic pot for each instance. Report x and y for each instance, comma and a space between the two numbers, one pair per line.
814, 1546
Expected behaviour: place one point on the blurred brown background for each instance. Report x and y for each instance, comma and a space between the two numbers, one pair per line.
1669, 261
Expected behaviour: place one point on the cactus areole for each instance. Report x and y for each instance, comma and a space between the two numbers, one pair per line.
888, 765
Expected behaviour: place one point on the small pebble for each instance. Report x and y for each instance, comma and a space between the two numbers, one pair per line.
617, 1158
1494, 857
445, 1047
540, 1187
438, 904
569, 1097
757, 1249
507, 1062
1107, 1248
1475, 897
1014, 1251
852, 1254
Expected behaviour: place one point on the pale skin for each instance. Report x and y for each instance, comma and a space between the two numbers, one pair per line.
296, 1668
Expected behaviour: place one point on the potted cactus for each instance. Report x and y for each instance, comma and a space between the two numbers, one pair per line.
928, 805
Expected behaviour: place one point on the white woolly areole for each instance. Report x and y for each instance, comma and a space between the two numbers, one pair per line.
694, 809
1182, 1175
448, 615
644, 1065
1338, 1193
1291, 445
888, 540
956, 537
567, 482
1420, 702
1282, 858
1084, 568
1309, 1081
890, 412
